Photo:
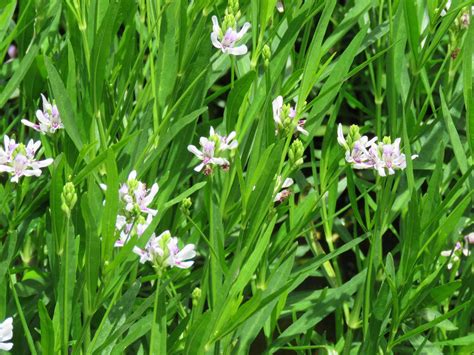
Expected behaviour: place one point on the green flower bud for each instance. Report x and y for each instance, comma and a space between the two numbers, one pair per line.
233, 6
68, 198
386, 140
354, 135
295, 154
195, 296
185, 206
229, 22
266, 54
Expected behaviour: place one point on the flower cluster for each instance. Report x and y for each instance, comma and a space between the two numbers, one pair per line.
163, 251
6, 333
134, 216
384, 157
212, 149
285, 118
49, 119
226, 41
19, 160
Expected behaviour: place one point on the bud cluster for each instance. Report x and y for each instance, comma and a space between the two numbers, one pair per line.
68, 198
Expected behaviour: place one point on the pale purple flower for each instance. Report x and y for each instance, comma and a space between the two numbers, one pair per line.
385, 157
358, 155
127, 228
18, 160
388, 157
212, 149
6, 334
225, 142
455, 254
226, 41
282, 188
12, 51
49, 120
286, 116
135, 195
163, 251
6, 153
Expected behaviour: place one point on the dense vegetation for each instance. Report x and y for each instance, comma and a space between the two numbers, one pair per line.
236, 177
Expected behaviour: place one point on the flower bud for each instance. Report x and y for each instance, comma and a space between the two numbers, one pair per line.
229, 22
353, 136
185, 206
387, 140
68, 198
295, 154
233, 7
196, 296
266, 54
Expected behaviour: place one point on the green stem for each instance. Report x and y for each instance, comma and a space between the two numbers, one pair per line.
368, 292
158, 329
65, 255
214, 259
29, 339
232, 71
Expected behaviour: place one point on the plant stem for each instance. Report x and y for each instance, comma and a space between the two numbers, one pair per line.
158, 329
65, 256
29, 339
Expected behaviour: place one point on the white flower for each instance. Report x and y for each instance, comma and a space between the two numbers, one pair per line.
279, 6
455, 254
446, 8
469, 238
285, 116
49, 119
163, 251
226, 41
283, 189
6, 333
180, 257
18, 160
211, 149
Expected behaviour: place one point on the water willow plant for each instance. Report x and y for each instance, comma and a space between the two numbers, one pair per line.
348, 262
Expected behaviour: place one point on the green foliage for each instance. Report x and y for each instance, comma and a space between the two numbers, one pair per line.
343, 261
